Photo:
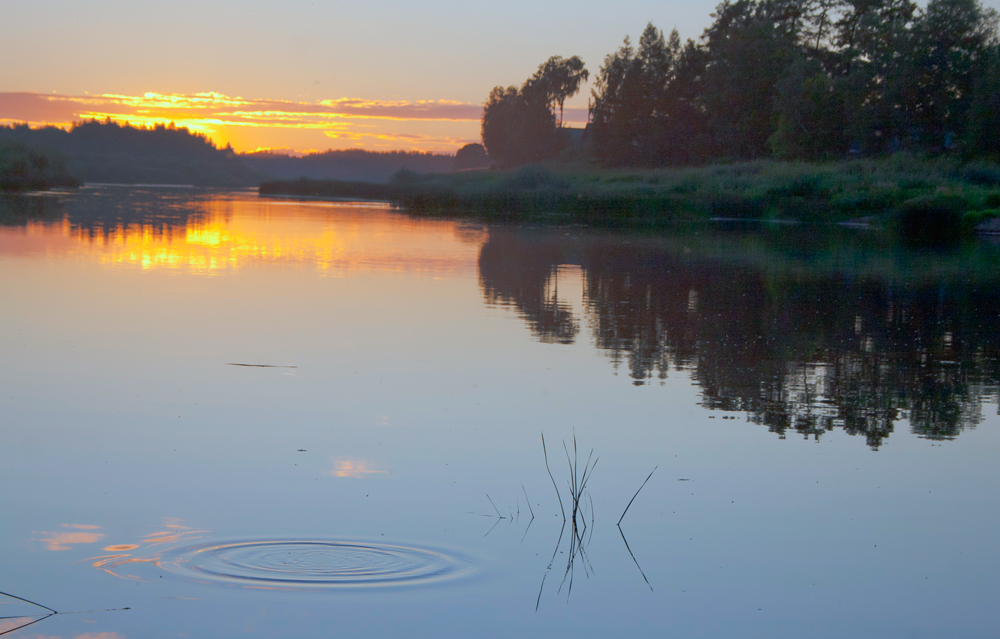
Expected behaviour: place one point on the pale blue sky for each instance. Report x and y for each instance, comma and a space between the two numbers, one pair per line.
306, 51
437, 49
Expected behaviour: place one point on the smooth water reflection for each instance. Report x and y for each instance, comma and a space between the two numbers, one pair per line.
413, 363
799, 347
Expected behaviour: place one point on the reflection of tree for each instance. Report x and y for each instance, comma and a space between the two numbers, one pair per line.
18, 210
798, 351
518, 274
102, 213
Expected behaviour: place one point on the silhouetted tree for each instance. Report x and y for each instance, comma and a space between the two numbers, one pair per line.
809, 110
558, 79
627, 116
951, 37
517, 128
748, 49
803, 79
519, 124
981, 137
471, 156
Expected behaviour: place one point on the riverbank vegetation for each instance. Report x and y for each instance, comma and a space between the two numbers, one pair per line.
882, 191
24, 169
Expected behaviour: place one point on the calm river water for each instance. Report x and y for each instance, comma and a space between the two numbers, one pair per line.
246, 417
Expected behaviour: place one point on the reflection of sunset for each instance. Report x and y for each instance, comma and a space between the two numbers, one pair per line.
224, 235
346, 467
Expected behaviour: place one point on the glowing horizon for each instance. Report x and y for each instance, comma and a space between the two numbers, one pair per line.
251, 124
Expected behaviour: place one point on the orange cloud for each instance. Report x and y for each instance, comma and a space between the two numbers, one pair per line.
248, 123
213, 114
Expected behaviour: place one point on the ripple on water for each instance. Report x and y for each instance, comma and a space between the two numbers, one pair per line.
313, 564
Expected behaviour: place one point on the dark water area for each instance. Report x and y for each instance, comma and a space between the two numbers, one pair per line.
246, 417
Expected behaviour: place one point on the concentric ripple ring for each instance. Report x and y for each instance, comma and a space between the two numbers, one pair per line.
312, 564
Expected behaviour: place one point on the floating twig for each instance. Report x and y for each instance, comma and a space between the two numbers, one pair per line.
261, 365
528, 500
499, 516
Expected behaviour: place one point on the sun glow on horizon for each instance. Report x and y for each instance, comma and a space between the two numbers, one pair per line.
252, 123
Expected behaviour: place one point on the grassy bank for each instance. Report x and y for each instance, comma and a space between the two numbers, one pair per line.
912, 192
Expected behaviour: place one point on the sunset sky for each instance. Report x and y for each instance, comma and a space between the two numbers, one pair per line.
300, 75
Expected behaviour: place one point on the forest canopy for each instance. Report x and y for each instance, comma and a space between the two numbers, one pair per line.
788, 79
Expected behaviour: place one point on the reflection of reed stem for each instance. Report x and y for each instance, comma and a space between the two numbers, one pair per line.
42, 618
545, 452
634, 559
52, 613
7, 594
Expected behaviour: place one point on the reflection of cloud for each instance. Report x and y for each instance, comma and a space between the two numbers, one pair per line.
172, 534
66, 540
115, 564
347, 467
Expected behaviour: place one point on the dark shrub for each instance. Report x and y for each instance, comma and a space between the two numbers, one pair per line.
932, 219
737, 206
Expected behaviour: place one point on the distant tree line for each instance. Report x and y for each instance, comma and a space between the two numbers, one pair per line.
107, 151
351, 164
790, 79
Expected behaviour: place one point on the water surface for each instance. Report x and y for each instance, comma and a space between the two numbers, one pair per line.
821, 414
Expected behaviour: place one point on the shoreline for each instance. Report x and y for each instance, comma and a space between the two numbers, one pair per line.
915, 196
